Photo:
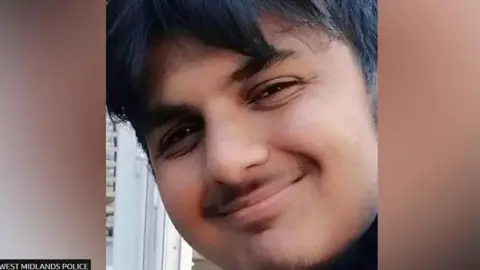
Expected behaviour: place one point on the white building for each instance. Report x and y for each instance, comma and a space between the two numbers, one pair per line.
139, 233
111, 159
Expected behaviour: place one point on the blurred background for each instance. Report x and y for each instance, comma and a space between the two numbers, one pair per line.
139, 234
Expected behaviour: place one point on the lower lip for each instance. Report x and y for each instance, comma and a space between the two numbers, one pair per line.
260, 213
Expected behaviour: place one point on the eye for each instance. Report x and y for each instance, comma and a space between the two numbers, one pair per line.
274, 93
179, 140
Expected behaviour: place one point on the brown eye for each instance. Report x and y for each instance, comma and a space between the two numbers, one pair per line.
272, 89
274, 92
179, 140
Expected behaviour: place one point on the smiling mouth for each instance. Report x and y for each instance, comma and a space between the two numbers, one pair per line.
258, 207
256, 197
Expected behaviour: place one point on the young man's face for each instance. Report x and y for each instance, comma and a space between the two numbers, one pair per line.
264, 169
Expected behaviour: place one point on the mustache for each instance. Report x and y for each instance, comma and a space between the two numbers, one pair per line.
219, 195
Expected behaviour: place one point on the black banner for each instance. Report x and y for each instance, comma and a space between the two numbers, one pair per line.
45, 265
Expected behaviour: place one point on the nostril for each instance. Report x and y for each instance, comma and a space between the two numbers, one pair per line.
231, 163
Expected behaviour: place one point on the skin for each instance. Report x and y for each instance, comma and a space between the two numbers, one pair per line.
318, 125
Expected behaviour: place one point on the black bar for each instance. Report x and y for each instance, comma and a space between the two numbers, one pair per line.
7, 264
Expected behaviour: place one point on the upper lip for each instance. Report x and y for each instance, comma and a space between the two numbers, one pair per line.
256, 196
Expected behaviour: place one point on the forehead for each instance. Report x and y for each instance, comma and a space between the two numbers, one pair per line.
179, 55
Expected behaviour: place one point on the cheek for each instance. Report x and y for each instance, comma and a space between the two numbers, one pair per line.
334, 129
326, 115
305, 123
181, 192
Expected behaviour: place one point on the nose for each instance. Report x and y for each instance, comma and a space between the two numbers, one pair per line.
233, 149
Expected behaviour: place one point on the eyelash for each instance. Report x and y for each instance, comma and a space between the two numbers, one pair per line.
186, 131
262, 93
194, 127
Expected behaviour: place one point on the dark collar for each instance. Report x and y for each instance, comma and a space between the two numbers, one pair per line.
362, 255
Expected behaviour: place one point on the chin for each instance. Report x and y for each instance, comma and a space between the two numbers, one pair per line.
300, 248
283, 249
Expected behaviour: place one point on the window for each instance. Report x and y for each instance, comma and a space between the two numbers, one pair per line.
111, 173
137, 225
111, 156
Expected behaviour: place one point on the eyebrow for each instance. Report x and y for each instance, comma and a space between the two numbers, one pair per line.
254, 65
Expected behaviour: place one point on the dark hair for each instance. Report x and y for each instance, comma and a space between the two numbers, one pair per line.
228, 24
